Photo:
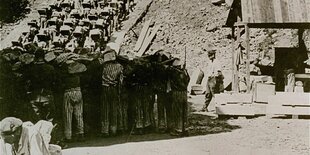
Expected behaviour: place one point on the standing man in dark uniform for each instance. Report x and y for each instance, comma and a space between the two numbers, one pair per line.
112, 112
41, 77
141, 96
179, 79
160, 83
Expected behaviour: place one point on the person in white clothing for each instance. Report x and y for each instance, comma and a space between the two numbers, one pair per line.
18, 138
213, 78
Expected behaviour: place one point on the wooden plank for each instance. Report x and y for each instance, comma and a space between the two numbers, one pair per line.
303, 10
287, 110
247, 48
284, 9
239, 110
233, 83
277, 11
264, 11
148, 40
236, 58
297, 11
291, 12
244, 10
308, 10
251, 11
264, 8
257, 18
142, 35
270, 11
135, 17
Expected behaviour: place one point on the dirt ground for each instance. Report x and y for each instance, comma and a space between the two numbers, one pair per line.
209, 135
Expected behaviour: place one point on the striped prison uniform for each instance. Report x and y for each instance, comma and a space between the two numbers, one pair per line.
179, 80
163, 110
179, 99
160, 85
142, 106
112, 109
73, 104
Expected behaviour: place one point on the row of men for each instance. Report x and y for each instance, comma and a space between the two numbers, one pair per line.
118, 91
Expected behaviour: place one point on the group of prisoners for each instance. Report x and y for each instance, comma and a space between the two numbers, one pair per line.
69, 24
61, 66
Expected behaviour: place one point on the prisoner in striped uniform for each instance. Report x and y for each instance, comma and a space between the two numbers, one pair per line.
159, 82
112, 109
178, 79
73, 106
141, 96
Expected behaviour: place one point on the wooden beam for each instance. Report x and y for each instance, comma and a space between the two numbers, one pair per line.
135, 17
247, 48
142, 35
285, 10
148, 40
300, 40
277, 11
303, 9
233, 82
236, 70
308, 10
305, 25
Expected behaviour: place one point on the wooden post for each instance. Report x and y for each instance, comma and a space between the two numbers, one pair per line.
236, 65
233, 82
300, 40
247, 40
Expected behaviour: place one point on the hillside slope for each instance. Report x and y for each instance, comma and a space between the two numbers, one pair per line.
195, 24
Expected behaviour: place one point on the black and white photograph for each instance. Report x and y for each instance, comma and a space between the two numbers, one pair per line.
154, 77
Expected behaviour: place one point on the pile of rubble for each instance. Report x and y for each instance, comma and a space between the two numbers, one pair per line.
195, 25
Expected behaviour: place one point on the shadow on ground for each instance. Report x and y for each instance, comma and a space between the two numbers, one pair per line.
291, 117
203, 125
198, 124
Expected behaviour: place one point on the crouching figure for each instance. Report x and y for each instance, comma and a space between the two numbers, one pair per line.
18, 138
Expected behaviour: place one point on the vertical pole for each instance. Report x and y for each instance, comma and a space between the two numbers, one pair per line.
247, 39
236, 66
233, 82
300, 33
